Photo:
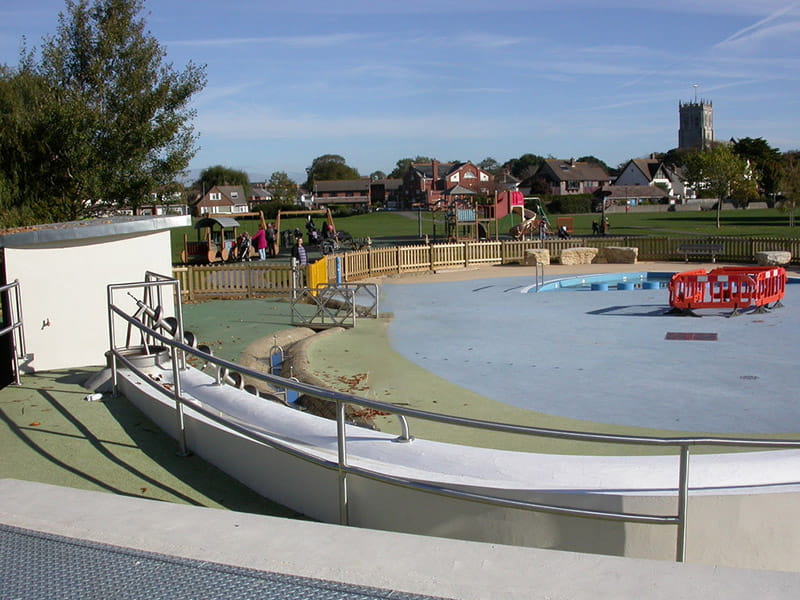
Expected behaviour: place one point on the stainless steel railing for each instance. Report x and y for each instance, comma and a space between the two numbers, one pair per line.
176, 348
16, 326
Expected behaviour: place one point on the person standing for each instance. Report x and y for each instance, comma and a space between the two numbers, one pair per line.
542, 230
299, 252
272, 238
259, 241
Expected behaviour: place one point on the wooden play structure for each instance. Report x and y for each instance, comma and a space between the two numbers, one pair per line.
216, 240
475, 223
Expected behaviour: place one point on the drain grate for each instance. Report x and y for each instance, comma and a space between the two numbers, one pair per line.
35, 565
691, 337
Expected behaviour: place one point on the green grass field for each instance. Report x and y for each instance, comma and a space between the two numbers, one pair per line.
408, 225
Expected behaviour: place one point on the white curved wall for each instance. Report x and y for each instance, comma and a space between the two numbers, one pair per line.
63, 290
729, 524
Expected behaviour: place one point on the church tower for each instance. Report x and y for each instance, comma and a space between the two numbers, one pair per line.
696, 125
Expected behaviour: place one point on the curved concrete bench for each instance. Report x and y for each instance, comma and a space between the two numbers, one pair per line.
578, 256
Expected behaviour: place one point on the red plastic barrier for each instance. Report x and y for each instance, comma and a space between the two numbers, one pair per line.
728, 287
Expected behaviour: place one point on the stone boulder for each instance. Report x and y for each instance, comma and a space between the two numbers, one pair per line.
536, 256
773, 258
621, 255
578, 256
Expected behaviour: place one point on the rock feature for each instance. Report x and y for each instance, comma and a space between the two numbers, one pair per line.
773, 258
578, 256
536, 256
621, 255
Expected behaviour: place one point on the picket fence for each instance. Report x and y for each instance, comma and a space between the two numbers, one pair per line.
248, 280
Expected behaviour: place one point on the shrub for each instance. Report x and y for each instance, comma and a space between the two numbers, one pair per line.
579, 203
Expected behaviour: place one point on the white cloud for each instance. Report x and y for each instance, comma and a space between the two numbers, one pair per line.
750, 40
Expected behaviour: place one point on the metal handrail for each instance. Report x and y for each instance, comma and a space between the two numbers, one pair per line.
343, 468
16, 328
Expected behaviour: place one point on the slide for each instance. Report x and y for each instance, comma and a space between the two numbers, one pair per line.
525, 228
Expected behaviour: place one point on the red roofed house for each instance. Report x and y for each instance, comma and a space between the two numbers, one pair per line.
437, 184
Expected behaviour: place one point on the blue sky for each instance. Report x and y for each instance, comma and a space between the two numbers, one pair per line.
377, 80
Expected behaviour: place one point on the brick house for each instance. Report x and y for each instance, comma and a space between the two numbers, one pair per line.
566, 177
222, 199
438, 184
355, 193
386, 192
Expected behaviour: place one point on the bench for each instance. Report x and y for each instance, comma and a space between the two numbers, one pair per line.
711, 250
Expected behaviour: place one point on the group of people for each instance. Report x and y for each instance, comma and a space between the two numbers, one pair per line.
600, 228
264, 241
563, 233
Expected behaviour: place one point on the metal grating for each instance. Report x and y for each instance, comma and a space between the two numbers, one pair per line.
35, 565
691, 337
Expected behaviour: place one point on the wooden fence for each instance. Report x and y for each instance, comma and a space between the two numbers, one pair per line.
264, 279
237, 280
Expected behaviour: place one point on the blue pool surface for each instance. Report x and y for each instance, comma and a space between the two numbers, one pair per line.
607, 281
608, 357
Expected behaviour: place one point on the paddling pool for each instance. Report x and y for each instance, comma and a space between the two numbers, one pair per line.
607, 281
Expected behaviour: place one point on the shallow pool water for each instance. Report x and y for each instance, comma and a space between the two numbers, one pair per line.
606, 282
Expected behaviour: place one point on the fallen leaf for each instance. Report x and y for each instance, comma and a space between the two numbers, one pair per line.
34, 424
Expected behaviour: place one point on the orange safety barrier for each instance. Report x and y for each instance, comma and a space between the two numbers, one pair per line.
728, 287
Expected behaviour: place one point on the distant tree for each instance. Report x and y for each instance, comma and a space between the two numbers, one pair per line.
403, 165
490, 165
765, 160
329, 166
721, 174
674, 158
219, 175
540, 186
376, 175
524, 166
282, 188
790, 185
118, 115
592, 160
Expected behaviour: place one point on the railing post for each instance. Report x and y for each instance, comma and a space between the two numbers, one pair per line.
176, 392
111, 344
466, 255
341, 438
683, 504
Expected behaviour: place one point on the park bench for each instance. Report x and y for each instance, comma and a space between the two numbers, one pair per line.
701, 249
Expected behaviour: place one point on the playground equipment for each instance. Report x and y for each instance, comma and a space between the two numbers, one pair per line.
216, 241
474, 223
735, 288
525, 229
529, 227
